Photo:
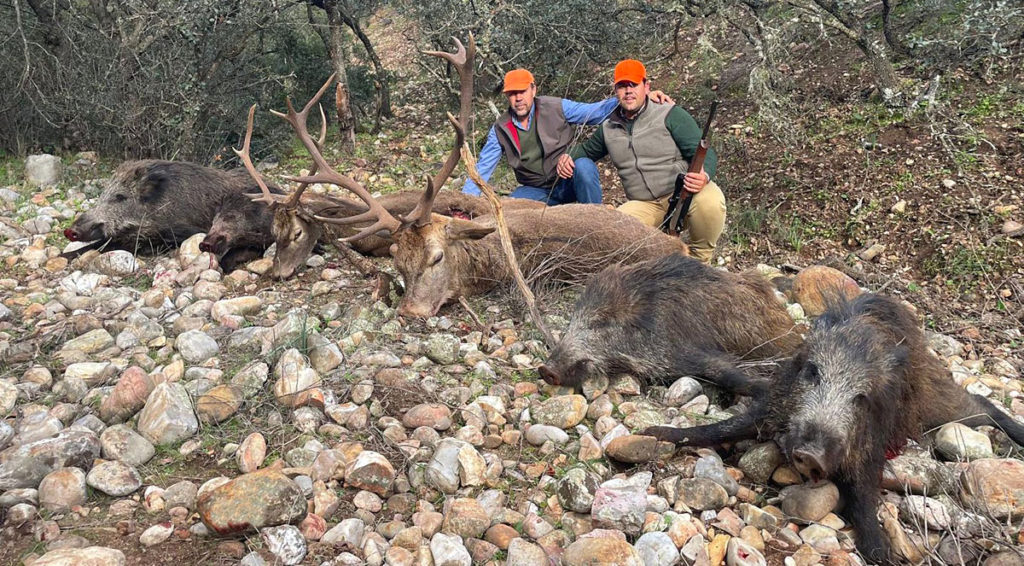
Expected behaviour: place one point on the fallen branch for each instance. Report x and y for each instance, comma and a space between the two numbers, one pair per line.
506, 244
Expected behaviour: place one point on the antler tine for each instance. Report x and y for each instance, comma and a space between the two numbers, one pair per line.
243, 154
463, 60
324, 172
293, 200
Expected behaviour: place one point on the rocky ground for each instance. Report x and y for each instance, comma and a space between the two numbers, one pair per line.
158, 410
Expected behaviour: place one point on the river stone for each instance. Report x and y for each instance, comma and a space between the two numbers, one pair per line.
286, 543
293, 388
702, 493
88, 343
621, 503
521, 552
181, 494
370, 471
251, 453
605, 551
434, 415
168, 417
27, 464
454, 462
711, 467
995, 487
43, 170
114, 478
920, 476
759, 462
815, 285
156, 534
116, 263
538, 434
633, 449
657, 549
89, 556
196, 346
467, 518
219, 404
958, 442
682, 391
251, 378
742, 553
129, 395
576, 490
347, 531
926, 512
62, 489
563, 411
448, 550
442, 348
810, 502
236, 306
92, 373
252, 501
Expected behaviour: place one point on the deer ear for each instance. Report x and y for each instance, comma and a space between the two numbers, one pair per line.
459, 229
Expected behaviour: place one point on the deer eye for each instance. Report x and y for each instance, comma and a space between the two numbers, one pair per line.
436, 258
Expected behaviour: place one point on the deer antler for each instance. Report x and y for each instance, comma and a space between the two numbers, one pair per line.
243, 154
324, 173
293, 200
462, 60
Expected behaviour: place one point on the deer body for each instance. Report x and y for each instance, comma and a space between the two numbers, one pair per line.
451, 257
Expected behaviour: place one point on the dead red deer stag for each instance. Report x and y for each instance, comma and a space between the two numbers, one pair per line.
441, 257
296, 229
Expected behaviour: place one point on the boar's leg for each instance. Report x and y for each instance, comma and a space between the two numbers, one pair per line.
740, 427
717, 368
975, 410
862, 511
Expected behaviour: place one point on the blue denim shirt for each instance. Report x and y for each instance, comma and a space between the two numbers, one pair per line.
590, 114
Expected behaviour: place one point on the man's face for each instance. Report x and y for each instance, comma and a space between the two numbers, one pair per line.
632, 95
521, 101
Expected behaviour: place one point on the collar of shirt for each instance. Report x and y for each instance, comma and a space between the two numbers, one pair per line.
529, 117
622, 115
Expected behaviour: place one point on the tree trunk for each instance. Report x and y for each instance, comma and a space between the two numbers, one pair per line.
890, 36
381, 82
875, 52
338, 52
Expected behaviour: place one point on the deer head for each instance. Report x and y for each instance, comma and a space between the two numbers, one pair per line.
422, 240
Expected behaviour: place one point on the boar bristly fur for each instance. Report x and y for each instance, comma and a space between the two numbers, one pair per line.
669, 317
862, 384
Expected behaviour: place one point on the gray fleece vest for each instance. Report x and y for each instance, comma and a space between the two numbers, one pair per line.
646, 156
555, 136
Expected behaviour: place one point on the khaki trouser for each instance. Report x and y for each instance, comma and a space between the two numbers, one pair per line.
705, 219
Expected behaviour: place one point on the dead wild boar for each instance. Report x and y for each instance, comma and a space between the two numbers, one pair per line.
863, 382
670, 317
241, 229
151, 205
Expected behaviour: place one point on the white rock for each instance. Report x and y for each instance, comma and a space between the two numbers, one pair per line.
286, 543
115, 263
448, 550
43, 170
156, 534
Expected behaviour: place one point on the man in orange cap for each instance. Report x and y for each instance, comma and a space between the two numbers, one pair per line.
650, 145
533, 134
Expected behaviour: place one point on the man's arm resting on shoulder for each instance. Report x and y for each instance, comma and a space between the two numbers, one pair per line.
590, 114
486, 162
686, 133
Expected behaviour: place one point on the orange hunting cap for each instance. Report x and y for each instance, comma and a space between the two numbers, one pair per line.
630, 70
517, 79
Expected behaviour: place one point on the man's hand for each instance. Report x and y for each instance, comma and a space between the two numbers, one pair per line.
565, 166
659, 97
694, 182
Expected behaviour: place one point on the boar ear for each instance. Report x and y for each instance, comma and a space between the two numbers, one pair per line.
459, 229
153, 186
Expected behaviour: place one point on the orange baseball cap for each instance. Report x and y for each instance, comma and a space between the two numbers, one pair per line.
630, 70
517, 79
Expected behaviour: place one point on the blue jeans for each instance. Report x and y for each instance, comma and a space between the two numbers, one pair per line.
583, 187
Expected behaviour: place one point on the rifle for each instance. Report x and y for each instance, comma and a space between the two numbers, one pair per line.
673, 221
